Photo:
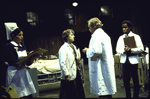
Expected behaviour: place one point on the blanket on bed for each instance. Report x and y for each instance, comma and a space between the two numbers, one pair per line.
46, 66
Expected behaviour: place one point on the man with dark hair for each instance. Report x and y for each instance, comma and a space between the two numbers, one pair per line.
129, 58
128, 23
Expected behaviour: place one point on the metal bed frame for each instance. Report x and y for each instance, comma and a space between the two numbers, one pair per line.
55, 77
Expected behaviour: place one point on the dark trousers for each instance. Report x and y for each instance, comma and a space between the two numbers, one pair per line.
130, 70
79, 86
72, 89
68, 89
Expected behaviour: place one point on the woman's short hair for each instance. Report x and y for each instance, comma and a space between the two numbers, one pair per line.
15, 32
66, 33
95, 22
129, 24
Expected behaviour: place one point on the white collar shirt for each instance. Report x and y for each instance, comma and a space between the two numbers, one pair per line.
21, 54
120, 48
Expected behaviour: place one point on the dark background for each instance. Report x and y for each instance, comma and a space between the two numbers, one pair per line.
51, 21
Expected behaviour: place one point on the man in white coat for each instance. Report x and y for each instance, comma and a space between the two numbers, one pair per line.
100, 61
129, 58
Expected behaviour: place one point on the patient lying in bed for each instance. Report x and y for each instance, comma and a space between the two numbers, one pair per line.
46, 66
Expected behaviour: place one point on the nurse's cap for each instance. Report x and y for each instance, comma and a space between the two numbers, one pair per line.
10, 27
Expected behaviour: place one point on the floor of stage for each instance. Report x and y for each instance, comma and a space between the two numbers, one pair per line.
52, 91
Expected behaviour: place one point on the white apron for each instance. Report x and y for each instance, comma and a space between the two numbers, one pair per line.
20, 79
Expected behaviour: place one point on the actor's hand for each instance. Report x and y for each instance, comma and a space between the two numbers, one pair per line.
30, 52
27, 66
67, 78
84, 50
127, 49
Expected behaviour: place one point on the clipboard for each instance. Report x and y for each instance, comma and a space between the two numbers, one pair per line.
130, 42
36, 51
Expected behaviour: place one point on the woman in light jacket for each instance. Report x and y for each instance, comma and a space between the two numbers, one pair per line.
17, 76
70, 86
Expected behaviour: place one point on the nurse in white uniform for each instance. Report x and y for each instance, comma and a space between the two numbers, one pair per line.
18, 77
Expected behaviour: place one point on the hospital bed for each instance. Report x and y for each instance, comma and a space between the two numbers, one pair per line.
49, 72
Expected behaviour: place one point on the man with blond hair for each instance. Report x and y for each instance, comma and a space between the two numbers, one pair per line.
100, 61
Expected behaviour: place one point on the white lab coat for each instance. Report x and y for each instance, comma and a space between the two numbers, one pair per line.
101, 64
120, 48
67, 61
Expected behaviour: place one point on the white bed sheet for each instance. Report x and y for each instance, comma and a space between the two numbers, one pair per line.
46, 66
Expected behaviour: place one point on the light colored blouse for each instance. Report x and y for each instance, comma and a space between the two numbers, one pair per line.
67, 61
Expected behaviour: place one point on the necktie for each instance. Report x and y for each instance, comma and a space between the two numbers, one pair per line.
126, 35
73, 49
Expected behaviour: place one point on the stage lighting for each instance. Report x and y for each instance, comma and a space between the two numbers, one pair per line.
75, 4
